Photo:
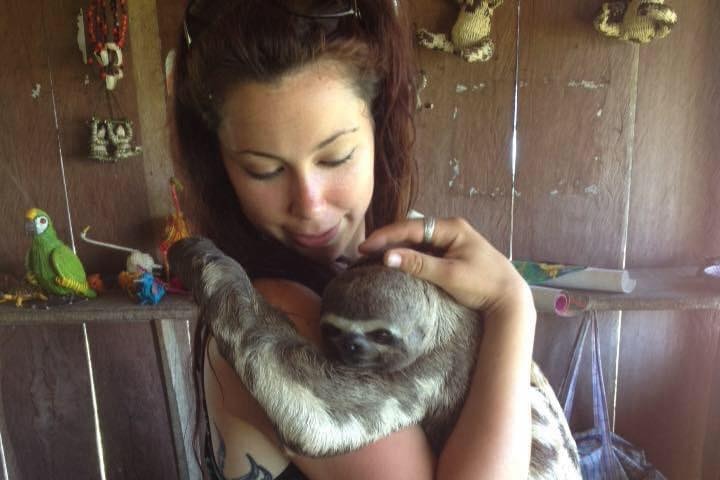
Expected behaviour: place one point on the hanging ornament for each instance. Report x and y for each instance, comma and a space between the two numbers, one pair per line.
106, 43
176, 227
470, 36
637, 21
110, 140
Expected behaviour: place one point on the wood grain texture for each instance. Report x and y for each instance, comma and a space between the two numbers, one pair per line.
170, 16
174, 341
48, 431
463, 142
151, 102
109, 197
575, 103
134, 418
45, 403
111, 307
28, 142
668, 391
670, 288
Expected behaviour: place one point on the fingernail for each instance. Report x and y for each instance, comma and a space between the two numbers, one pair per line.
393, 260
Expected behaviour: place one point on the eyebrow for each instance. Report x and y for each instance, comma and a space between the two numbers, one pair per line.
317, 147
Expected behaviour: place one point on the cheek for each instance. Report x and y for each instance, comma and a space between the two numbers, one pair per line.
353, 187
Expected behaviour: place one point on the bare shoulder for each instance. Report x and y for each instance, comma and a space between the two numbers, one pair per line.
299, 303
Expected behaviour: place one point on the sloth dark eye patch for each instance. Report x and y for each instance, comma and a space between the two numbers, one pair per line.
381, 336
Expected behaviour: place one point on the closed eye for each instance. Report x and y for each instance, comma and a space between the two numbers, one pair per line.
265, 176
381, 336
279, 170
339, 161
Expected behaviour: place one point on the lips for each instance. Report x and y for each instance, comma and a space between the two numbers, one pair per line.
314, 241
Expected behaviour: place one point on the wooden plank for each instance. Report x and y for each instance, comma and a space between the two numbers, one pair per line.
113, 307
673, 288
111, 198
668, 381
48, 428
575, 103
9, 464
170, 15
666, 404
710, 459
134, 419
174, 342
151, 103
463, 142
28, 143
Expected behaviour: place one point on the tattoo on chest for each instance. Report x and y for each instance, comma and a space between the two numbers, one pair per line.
257, 472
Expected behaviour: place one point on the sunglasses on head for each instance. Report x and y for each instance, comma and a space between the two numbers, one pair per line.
199, 13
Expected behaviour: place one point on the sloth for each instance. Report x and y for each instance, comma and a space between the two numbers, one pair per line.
398, 351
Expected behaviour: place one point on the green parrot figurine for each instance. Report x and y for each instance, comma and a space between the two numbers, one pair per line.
51, 264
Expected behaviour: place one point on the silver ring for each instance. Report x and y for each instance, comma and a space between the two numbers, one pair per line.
428, 230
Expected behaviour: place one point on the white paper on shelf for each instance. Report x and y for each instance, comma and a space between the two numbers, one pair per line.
602, 279
549, 299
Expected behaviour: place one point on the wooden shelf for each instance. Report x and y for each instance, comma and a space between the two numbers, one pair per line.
678, 288
110, 307
657, 289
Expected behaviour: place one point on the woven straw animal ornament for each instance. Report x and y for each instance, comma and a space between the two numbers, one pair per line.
638, 21
470, 36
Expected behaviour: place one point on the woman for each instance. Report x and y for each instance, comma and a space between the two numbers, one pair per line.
294, 120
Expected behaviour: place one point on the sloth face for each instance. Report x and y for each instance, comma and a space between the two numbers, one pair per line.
374, 344
376, 317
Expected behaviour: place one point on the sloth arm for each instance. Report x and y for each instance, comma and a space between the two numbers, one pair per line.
245, 428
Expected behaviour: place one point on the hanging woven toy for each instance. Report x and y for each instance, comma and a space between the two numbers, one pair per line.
637, 21
111, 140
470, 36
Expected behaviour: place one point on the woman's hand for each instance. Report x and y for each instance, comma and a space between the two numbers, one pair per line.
466, 265
492, 436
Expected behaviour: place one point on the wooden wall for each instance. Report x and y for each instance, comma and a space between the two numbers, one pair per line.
668, 383
46, 407
615, 167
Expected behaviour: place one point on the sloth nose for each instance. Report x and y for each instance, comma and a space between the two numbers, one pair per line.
355, 345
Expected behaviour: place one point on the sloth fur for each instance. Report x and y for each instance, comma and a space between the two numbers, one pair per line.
324, 405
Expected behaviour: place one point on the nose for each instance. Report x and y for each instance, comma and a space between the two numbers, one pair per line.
354, 345
308, 196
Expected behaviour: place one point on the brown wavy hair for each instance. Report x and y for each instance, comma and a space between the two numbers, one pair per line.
255, 41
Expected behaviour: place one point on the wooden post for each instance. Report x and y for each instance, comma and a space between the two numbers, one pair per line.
174, 343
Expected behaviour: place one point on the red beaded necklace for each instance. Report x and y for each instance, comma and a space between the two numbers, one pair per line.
97, 30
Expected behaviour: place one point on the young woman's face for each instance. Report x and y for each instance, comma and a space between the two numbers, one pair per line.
300, 156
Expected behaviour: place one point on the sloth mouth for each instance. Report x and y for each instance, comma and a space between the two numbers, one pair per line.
352, 358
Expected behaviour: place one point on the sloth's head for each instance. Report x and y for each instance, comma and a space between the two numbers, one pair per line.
379, 318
